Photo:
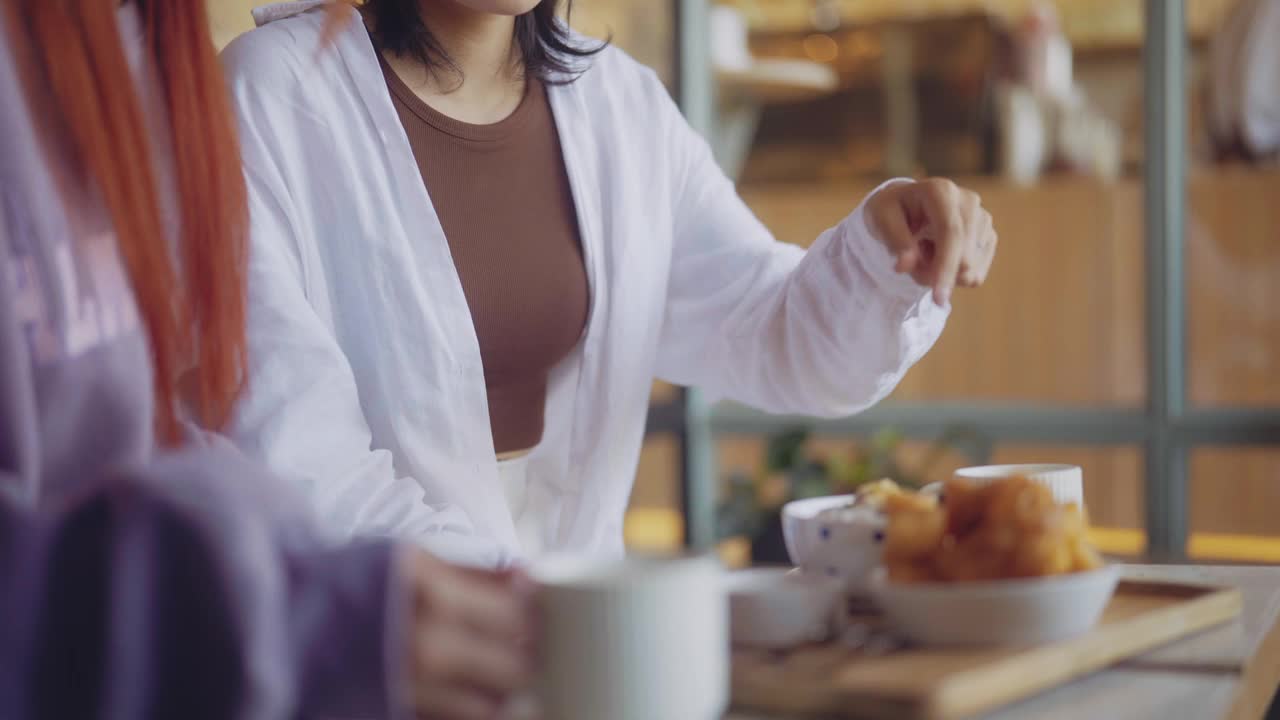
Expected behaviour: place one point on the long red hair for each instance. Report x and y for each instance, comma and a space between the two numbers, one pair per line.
192, 301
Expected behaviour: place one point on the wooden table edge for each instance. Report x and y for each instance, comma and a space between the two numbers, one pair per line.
1260, 679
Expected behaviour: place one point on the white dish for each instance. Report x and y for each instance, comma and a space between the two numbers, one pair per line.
1066, 482
779, 608
1004, 612
829, 536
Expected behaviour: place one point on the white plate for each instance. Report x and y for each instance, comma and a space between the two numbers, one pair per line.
1005, 612
779, 608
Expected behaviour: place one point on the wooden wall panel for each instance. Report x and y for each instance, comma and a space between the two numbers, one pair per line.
1235, 491
1233, 281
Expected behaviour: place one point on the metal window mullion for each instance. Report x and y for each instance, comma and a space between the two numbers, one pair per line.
1100, 426
695, 84
1012, 423
696, 96
1237, 426
1164, 195
698, 465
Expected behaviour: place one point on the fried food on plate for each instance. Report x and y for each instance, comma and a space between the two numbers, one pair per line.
875, 494
1010, 528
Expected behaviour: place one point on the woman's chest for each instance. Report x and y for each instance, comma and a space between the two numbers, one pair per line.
431, 242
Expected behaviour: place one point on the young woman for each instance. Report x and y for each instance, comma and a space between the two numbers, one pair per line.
476, 238
143, 581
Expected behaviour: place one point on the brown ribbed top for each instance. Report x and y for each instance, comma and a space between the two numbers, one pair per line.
503, 198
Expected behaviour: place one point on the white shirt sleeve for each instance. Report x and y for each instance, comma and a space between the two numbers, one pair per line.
301, 412
827, 332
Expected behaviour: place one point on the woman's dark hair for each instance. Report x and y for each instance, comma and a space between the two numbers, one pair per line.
548, 49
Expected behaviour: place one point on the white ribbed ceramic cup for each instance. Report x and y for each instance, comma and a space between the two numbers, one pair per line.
633, 639
1065, 481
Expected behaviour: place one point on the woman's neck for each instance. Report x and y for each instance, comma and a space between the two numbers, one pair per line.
489, 82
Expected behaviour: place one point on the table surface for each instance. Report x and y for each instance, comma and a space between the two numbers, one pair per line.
1228, 672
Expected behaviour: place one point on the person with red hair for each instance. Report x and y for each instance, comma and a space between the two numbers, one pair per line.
148, 570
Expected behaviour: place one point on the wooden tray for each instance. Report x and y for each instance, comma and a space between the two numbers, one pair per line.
839, 680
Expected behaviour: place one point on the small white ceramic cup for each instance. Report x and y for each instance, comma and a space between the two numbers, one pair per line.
1066, 482
635, 638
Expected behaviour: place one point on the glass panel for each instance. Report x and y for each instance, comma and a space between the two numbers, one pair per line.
1233, 285
1091, 24
644, 28
663, 393
229, 18
951, 87
1233, 220
654, 521
1113, 479
1234, 496
1060, 320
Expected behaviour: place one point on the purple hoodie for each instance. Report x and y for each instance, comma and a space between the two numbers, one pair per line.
135, 583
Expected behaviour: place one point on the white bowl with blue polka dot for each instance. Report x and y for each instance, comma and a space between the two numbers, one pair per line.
831, 536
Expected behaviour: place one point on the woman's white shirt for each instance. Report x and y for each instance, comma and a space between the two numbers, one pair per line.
365, 381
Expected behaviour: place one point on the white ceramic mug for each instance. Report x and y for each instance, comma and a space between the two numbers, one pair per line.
633, 639
1066, 482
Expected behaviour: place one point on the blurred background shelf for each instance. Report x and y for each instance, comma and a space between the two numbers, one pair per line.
777, 81
1089, 24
